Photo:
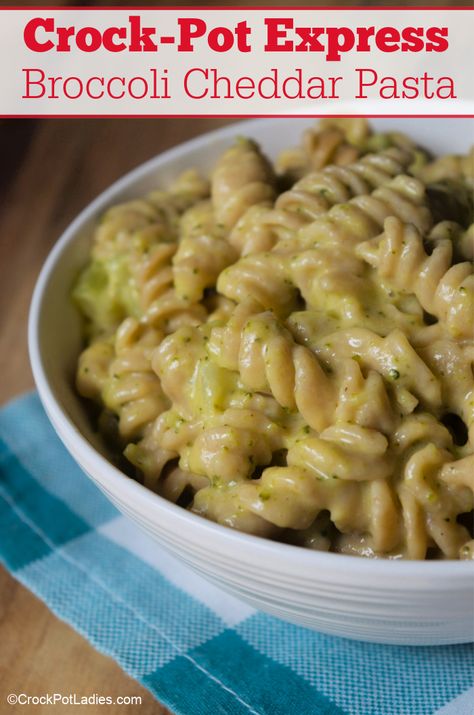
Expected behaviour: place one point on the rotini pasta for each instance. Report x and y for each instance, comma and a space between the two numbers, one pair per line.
296, 362
332, 141
443, 289
260, 227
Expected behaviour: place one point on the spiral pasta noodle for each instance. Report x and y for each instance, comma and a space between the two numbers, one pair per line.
450, 166
332, 141
260, 227
242, 178
119, 375
202, 252
304, 263
295, 362
131, 245
443, 290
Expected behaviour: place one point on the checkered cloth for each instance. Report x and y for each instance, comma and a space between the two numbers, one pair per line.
194, 647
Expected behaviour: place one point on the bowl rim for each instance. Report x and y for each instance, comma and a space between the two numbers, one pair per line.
108, 476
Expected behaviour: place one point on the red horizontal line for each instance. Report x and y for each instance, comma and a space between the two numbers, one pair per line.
233, 116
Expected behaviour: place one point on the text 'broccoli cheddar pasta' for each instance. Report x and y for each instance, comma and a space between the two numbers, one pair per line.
288, 349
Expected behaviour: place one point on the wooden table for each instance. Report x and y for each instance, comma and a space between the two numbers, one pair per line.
50, 169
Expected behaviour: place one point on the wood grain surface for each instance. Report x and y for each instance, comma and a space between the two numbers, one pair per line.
50, 170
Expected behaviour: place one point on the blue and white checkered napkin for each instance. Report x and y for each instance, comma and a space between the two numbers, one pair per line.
197, 649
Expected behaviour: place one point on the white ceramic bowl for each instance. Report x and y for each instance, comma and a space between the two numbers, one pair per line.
380, 601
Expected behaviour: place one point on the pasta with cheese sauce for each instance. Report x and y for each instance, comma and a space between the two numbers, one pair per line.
287, 349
